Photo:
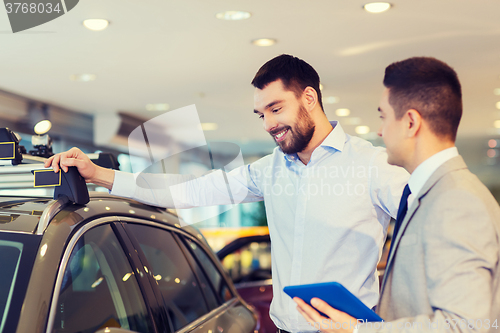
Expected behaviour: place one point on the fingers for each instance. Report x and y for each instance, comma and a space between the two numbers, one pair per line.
54, 162
48, 161
325, 308
64, 160
305, 315
307, 310
347, 322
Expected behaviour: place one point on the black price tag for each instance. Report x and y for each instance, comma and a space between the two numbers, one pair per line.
45, 178
7, 150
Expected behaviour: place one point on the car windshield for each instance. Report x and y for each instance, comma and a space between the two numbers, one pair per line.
10, 257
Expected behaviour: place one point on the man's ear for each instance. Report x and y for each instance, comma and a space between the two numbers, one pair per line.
310, 98
414, 121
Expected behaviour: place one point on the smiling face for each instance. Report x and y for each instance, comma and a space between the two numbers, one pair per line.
285, 117
393, 132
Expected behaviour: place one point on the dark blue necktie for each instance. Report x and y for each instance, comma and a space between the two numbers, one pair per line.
403, 208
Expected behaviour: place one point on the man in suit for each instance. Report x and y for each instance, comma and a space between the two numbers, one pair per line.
443, 272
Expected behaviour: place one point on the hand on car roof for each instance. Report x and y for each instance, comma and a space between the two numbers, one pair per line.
91, 172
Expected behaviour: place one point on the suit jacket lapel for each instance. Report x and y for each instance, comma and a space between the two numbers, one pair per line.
453, 164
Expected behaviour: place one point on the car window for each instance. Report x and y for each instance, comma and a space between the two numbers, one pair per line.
10, 256
206, 286
99, 288
249, 263
168, 265
213, 273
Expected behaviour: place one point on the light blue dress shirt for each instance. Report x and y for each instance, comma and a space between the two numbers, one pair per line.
327, 219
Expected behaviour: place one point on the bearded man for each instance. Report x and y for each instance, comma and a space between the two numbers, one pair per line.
329, 196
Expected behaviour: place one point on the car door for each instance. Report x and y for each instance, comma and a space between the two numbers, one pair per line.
97, 286
237, 315
189, 297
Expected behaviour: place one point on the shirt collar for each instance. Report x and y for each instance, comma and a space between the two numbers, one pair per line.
425, 170
335, 139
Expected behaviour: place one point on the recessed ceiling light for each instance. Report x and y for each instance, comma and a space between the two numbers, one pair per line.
233, 15
264, 42
498, 105
83, 77
497, 91
209, 126
157, 107
96, 24
377, 7
496, 123
362, 129
342, 112
331, 100
351, 121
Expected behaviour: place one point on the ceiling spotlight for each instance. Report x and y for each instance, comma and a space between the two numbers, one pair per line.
498, 105
496, 123
331, 100
96, 24
362, 129
42, 127
38, 115
83, 77
342, 112
157, 107
233, 15
264, 42
377, 7
209, 126
351, 121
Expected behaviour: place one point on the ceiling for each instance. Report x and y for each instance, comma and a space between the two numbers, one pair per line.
177, 52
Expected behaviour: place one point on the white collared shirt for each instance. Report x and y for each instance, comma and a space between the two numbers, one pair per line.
425, 170
327, 219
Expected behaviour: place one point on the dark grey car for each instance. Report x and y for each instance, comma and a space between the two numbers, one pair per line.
111, 263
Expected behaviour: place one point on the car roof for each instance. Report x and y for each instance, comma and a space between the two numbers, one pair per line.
25, 214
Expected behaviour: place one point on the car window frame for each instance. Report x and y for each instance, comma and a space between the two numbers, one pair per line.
73, 239
197, 260
142, 256
176, 231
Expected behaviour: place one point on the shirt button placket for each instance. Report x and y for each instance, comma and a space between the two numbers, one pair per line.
298, 237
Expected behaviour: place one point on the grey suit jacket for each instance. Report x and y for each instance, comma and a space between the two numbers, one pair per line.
444, 273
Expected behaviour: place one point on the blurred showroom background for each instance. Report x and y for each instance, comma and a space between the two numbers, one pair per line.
157, 56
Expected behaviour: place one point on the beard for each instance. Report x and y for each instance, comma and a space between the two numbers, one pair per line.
298, 136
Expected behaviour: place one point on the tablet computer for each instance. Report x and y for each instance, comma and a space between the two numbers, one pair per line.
337, 296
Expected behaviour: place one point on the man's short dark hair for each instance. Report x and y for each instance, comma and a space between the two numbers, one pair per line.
429, 86
295, 73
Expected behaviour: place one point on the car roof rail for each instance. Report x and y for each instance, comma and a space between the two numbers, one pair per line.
49, 212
